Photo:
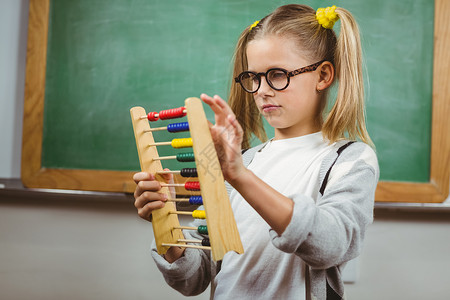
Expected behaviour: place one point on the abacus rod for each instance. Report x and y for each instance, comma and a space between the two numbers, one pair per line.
168, 172
179, 200
155, 129
160, 144
165, 157
186, 246
189, 241
188, 213
171, 184
185, 227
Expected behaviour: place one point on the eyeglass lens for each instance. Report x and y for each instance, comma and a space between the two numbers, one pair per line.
277, 79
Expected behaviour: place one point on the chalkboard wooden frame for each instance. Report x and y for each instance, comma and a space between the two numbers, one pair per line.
35, 176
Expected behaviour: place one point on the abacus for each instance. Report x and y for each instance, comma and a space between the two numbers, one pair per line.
220, 224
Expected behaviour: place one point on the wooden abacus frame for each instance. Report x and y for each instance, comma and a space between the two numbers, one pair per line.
34, 175
222, 229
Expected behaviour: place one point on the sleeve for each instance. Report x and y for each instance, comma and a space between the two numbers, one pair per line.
191, 273
331, 231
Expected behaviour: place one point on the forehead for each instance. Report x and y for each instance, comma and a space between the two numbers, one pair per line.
274, 51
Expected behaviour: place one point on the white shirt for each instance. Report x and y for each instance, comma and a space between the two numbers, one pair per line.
291, 166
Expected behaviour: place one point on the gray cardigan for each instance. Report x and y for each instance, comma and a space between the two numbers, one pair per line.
325, 232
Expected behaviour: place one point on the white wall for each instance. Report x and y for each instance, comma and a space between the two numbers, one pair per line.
13, 34
73, 249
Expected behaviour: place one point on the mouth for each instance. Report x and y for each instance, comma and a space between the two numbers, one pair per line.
269, 107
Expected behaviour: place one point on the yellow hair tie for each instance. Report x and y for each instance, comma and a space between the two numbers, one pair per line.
253, 25
327, 16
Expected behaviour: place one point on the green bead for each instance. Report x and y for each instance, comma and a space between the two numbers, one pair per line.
185, 157
202, 229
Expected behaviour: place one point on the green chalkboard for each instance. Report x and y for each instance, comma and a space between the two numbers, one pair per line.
104, 57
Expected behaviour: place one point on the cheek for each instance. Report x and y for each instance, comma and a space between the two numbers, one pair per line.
305, 89
304, 99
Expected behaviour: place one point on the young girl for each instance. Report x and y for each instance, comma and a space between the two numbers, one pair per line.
303, 199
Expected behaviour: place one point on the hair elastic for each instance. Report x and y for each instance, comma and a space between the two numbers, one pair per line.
253, 25
327, 16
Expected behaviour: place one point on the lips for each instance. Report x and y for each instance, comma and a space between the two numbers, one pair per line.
270, 107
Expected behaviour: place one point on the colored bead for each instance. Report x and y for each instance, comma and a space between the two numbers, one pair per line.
195, 200
172, 113
178, 127
185, 157
152, 116
182, 143
192, 186
199, 214
202, 229
188, 172
205, 242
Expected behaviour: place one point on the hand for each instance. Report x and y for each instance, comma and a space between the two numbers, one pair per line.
147, 196
227, 135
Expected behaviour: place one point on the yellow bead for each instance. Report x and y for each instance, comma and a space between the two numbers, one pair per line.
199, 214
182, 143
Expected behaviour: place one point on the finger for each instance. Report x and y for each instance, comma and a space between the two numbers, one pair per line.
236, 125
146, 211
143, 176
145, 185
223, 105
212, 103
205, 97
149, 197
236, 133
167, 177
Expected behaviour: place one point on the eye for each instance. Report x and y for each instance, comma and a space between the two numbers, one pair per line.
277, 75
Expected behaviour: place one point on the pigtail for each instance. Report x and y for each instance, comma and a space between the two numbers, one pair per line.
241, 102
348, 113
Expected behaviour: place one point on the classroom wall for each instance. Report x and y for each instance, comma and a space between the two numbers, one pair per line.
13, 34
70, 248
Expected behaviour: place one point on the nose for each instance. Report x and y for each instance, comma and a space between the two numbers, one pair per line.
264, 88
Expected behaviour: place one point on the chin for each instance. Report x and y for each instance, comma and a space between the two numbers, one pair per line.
276, 123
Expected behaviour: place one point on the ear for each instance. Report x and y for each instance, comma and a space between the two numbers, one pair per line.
326, 76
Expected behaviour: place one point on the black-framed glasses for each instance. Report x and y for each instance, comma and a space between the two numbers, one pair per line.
277, 78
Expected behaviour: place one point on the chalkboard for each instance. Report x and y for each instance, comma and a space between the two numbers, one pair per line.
103, 57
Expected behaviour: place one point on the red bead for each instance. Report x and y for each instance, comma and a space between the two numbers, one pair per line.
172, 113
192, 186
153, 116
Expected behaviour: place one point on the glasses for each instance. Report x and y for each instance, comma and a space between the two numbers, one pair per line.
277, 78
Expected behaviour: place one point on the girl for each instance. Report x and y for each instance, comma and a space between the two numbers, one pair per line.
302, 200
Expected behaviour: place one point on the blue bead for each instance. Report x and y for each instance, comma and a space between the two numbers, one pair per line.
196, 200
178, 127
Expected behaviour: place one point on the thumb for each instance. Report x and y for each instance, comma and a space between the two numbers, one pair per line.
168, 177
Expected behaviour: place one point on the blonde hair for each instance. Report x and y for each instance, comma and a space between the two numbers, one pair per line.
347, 116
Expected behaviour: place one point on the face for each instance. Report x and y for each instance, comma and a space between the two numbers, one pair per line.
295, 110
